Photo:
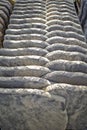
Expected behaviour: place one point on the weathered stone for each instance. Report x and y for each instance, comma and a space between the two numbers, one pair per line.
27, 26
76, 102
32, 15
27, 20
66, 65
23, 51
33, 70
23, 82
23, 60
75, 78
5, 9
24, 43
25, 37
83, 16
66, 47
26, 31
59, 54
31, 109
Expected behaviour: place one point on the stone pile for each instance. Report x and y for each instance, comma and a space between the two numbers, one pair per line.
43, 68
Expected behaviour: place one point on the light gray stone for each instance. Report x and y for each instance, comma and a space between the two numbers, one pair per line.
25, 37
24, 43
27, 26
23, 82
23, 51
27, 20
76, 104
59, 54
26, 31
65, 47
28, 109
23, 60
31, 70
66, 65
75, 78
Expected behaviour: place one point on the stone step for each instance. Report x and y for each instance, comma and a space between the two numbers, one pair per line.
54, 27
6, 4
59, 54
23, 82
29, 8
66, 41
23, 51
27, 20
62, 18
23, 60
27, 12
30, 1
25, 37
25, 31
24, 43
64, 3
31, 70
62, 14
27, 26
60, 7
4, 16
5, 10
63, 23
65, 47
68, 34
28, 5
66, 65
60, 10
64, 28
31, 15
74, 78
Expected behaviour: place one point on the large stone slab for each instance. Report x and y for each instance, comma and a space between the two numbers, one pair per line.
76, 103
31, 110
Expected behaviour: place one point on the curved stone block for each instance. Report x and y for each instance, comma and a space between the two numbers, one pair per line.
23, 51
74, 56
31, 70
24, 43
66, 47
75, 78
66, 65
23, 60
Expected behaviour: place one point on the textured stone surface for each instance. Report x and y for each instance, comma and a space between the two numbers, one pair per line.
75, 78
83, 17
31, 110
44, 44
5, 10
76, 100
31, 70
23, 60
23, 82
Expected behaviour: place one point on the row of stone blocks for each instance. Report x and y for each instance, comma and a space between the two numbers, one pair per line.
5, 11
44, 51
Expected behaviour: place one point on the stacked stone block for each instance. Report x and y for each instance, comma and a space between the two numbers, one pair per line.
26, 54
5, 11
66, 55
43, 68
